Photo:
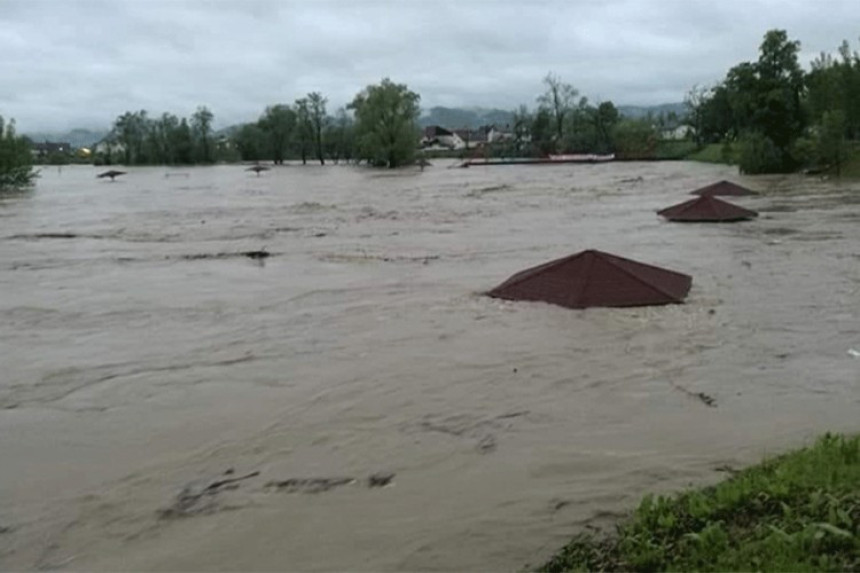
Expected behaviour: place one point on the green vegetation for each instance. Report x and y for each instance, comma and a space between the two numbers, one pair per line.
386, 129
16, 161
797, 512
715, 153
781, 118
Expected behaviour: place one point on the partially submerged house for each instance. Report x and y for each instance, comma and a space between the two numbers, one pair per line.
595, 278
706, 209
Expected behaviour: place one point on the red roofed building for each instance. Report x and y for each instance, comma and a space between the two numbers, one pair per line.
595, 278
706, 208
723, 188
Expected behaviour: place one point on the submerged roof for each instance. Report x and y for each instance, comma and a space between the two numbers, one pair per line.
723, 188
706, 208
595, 278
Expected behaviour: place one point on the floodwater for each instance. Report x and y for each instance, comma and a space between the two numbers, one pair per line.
146, 361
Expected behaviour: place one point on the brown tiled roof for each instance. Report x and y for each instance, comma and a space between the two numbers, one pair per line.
706, 208
594, 278
723, 188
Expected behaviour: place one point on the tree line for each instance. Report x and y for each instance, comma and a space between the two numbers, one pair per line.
379, 126
780, 117
565, 122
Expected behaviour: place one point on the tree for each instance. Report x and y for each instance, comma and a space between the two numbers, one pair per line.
182, 141
605, 118
542, 133
201, 129
832, 149
278, 123
695, 101
559, 100
340, 137
318, 120
129, 130
522, 129
304, 128
635, 139
16, 161
386, 129
251, 141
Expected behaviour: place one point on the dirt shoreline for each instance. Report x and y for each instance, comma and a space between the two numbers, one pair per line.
364, 348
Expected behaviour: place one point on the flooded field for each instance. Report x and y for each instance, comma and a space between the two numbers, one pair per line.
351, 401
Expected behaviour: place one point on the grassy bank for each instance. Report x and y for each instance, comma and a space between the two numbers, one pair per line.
797, 512
715, 153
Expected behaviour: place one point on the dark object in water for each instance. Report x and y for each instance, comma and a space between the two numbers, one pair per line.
113, 174
309, 485
200, 500
261, 254
380, 479
706, 208
257, 169
594, 278
723, 188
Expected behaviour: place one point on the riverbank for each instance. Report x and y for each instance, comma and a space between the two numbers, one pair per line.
799, 511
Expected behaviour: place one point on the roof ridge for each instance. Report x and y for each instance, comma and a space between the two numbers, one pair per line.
639, 279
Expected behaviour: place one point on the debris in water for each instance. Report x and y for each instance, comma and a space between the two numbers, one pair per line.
854, 353
257, 169
309, 485
196, 501
705, 399
113, 174
380, 479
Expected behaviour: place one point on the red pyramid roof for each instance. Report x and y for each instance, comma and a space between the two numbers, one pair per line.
595, 278
706, 208
723, 188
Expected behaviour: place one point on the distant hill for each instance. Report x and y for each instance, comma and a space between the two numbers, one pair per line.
76, 137
637, 111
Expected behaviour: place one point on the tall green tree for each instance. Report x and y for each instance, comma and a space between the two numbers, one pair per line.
522, 127
559, 100
304, 130
251, 141
386, 116
129, 131
318, 120
278, 124
16, 160
201, 130
340, 136
635, 139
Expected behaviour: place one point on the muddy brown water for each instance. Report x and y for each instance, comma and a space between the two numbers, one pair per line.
398, 419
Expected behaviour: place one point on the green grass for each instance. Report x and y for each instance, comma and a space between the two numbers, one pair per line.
797, 512
715, 153
674, 149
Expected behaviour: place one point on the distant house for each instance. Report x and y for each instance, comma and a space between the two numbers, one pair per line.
472, 138
108, 147
437, 137
496, 134
46, 148
678, 133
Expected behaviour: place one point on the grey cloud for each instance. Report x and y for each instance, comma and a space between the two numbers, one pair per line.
82, 63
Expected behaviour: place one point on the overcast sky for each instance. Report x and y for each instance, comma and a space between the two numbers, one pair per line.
68, 63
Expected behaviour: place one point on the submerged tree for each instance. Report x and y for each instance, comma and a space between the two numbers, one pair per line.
318, 120
16, 161
277, 124
201, 129
304, 131
386, 116
559, 100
